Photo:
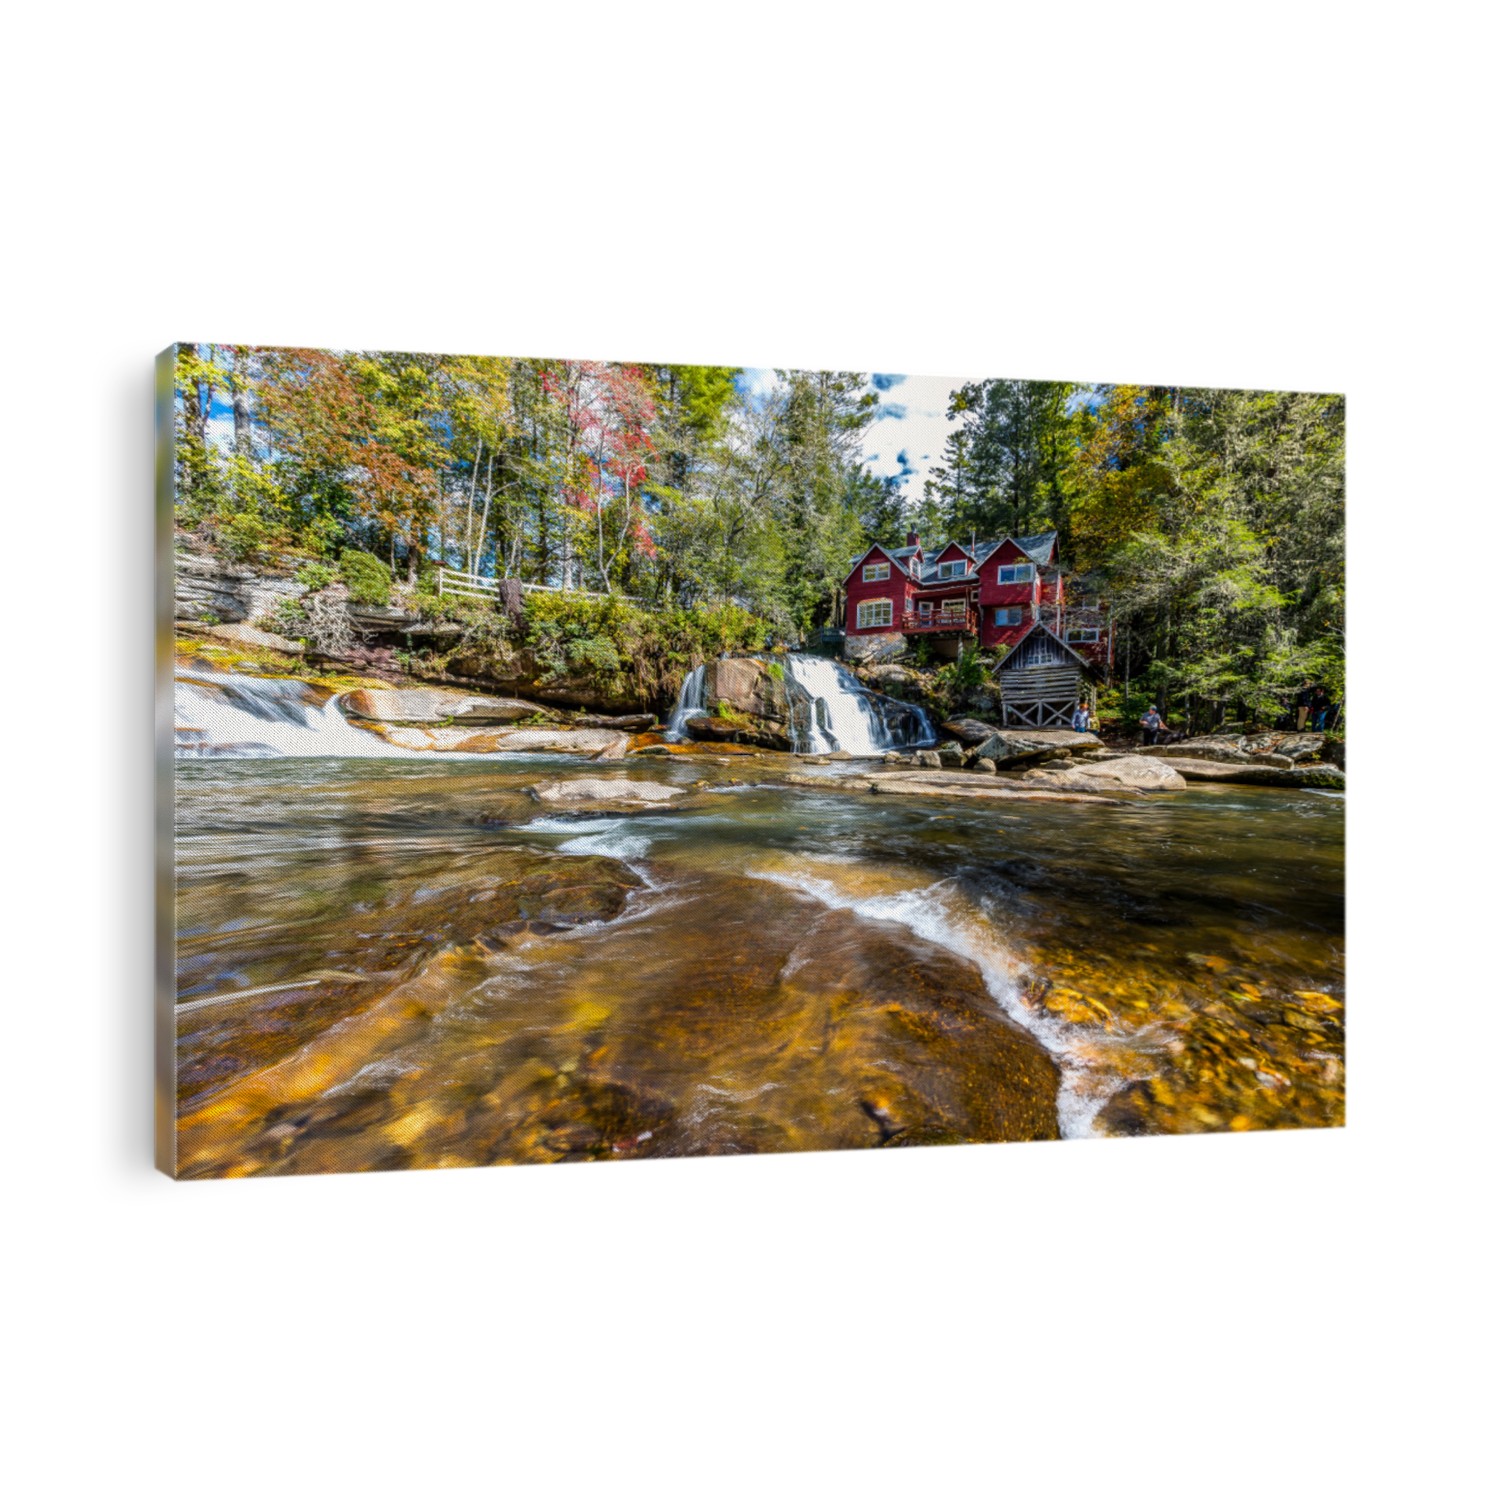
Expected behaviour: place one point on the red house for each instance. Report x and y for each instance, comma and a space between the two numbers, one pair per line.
994, 593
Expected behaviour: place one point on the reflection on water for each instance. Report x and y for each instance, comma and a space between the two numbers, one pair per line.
389, 963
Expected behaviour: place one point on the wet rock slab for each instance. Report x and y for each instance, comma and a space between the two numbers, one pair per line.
430, 705
588, 794
1125, 773
935, 783
1316, 776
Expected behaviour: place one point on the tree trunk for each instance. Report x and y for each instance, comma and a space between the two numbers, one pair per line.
239, 387
484, 521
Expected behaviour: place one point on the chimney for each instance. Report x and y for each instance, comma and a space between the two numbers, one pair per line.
912, 539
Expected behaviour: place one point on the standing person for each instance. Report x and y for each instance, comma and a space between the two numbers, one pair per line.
1318, 708
1304, 705
1081, 718
1151, 725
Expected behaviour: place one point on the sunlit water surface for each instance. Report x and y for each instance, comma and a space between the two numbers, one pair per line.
410, 962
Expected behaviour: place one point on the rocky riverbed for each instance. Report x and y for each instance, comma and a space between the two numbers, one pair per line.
432, 927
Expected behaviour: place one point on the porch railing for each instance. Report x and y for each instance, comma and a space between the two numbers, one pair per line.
966, 620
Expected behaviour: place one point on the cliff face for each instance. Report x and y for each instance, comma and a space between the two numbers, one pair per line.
231, 593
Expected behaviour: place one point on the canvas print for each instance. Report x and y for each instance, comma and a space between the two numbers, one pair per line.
569, 760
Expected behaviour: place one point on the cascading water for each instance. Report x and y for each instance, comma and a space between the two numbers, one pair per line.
844, 715
224, 714
689, 705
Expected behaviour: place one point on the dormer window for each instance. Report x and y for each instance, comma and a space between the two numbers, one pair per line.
1016, 573
875, 571
953, 569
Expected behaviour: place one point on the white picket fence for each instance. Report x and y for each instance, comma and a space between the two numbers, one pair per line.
472, 586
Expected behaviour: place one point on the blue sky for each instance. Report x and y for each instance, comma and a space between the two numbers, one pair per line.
906, 438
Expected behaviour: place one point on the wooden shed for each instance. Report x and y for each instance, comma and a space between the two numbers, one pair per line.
1041, 680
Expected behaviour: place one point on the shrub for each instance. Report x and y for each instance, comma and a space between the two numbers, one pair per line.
244, 536
286, 618
366, 577
314, 576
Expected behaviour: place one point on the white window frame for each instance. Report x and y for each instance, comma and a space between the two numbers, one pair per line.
876, 571
1019, 572
866, 611
1081, 635
954, 568
1016, 609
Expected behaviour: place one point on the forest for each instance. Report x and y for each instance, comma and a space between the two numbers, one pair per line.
1211, 521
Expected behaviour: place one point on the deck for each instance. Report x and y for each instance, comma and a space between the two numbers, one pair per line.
940, 622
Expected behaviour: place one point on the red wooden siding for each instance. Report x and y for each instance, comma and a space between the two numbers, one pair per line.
897, 588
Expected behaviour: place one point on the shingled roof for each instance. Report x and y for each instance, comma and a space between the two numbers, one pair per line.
1038, 547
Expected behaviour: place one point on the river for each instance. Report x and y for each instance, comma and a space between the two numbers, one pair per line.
409, 962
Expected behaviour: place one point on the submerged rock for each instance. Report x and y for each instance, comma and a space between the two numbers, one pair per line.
597, 793
939, 783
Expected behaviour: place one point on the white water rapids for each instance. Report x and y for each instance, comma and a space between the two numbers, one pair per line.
842, 715
224, 714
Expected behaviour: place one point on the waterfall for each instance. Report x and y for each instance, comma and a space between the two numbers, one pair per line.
844, 715
689, 705
224, 714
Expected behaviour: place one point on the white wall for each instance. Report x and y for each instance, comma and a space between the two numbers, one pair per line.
1287, 196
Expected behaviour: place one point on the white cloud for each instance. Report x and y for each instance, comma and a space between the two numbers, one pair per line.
914, 426
919, 432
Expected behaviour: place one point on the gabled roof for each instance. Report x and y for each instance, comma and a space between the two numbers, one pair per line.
1038, 547
1026, 635
894, 557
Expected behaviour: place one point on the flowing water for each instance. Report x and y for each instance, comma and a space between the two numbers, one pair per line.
689, 705
390, 961
832, 711
847, 716
228, 714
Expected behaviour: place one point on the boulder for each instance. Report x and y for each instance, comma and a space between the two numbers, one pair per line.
874, 648
968, 731
984, 765
382, 619
437, 706
928, 758
1018, 747
892, 679
1128, 773
248, 635
1294, 746
768, 734
950, 754
747, 685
